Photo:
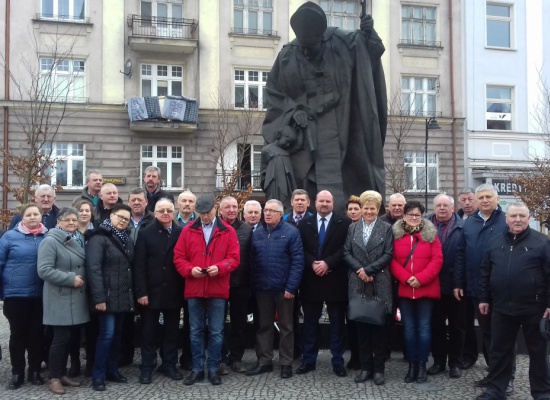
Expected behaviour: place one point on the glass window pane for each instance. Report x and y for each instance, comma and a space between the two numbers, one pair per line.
430, 13
176, 89
430, 32
498, 33
420, 178
162, 152
163, 169
351, 24
177, 151
405, 28
239, 75
252, 21
337, 6
146, 9
238, 20
417, 31
431, 105
432, 178
267, 22
177, 72
61, 173
146, 151
253, 96
162, 70
431, 83
351, 7
239, 96
406, 11
264, 98
498, 92
418, 84
498, 11
177, 11
79, 9
63, 9
405, 104
78, 173
177, 176
146, 69
417, 12
162, 10
79, 86
47, 8
338, 21
146, 88
409, 178
253, 76
325, 5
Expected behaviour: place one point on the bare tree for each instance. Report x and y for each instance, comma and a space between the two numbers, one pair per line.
47, 81
234, 130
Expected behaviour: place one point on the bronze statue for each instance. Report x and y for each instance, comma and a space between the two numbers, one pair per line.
328, 85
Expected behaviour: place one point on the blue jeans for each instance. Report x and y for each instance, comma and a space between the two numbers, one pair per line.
201, 311
416, 315
108, 345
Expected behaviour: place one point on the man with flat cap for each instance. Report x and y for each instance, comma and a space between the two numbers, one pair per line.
206, 253
328, 84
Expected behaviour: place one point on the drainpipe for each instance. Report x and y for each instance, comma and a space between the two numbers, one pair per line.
6, 98
453, 116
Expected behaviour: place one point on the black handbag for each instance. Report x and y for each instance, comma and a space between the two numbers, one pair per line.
371, 311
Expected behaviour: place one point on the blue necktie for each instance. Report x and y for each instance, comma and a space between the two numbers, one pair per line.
322, 232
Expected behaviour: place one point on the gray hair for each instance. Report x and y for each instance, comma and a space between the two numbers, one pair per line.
227, 198
164, 200
520, 204
44, 187
252, 203
66, 211
466, 190
280, 206
93, 171
451, 200
137, 190
299, 192
397, 196
486, 186
187, 192
152, 168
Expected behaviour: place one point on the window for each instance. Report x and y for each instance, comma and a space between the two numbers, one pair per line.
250, 91
415, 175
251, 156
418, 25
253, 17
167, 15
342, 13
68, 164
418, 96
71, 10
161, 80
62, 80
170, 161
499, 25
499, 108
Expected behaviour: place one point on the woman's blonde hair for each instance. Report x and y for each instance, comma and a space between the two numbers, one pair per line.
371, 196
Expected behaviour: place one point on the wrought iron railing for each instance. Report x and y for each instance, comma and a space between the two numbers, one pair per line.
162, 27
257, 32
245, 178
416, 42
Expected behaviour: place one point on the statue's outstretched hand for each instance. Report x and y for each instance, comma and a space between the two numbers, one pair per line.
300, 117
367, 23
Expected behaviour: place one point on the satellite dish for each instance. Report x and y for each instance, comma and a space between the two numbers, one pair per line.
127, 68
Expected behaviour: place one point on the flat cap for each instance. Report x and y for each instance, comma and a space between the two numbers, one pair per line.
205, 203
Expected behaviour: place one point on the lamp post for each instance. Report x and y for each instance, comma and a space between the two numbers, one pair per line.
431, 123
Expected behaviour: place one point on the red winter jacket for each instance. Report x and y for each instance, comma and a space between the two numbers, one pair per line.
424, 264
191, 251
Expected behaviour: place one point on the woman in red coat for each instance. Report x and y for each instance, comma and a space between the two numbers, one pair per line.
418, 283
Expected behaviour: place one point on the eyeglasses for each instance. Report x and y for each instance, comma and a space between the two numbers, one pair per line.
123, 219
73, 221
165, 211
270, 211
414, 216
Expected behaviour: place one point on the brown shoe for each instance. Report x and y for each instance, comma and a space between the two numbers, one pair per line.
66, 381
56, 387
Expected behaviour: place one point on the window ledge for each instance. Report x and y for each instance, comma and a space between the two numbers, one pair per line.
57, 20
421, 46
500, 48
255, 35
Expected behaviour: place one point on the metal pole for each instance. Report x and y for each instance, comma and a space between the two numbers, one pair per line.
428, 120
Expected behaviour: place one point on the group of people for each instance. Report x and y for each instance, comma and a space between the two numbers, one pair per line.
90, 266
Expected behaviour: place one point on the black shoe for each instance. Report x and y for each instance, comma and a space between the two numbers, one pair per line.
485, 396
286, 371
35, 379
223, 369
305, 368
259, 369
238, 367
98, 385
186, 365
214, 378
88, 369
422, 375
193, 378
116, 377
468, 364
363, 376
436, 369
481, 383
455, 372
412, 373
171, 372
339, 371
379, 378
74, 371
145, 377
16, 381
353, 364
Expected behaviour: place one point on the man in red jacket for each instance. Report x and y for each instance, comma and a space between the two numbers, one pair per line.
206, 253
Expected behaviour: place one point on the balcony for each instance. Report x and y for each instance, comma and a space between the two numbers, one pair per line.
419, 43
161, 34
246, 178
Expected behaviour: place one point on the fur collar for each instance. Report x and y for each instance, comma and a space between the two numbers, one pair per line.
428, 233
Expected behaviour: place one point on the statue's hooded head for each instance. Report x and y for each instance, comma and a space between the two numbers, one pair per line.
309, 22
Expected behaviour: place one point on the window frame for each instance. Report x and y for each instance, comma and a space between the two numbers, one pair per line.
167, 170
246, 83
350, 21
497, 18
416, 178
155, 78
410, 32
261, 7
55, 11
502, 116
67, 159
411, 92
51, 73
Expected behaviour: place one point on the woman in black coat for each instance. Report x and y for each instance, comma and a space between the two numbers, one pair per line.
109, 255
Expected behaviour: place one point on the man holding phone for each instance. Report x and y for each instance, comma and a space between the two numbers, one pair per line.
205, 255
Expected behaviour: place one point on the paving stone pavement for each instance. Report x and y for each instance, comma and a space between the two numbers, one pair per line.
319, 384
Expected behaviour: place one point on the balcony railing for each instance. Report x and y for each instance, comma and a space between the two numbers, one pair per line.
162, 27
246, 178
63, 18
255, 32
422, 43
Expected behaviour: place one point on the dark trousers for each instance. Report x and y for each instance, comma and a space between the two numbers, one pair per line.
448, 341
502, 354
470, 351
128, 333
239, 298
184, 337
24, 315
91, 333
312, 313
59, 350
270, 302
353, 339
372, 346
484, 322
296, 326
152, 332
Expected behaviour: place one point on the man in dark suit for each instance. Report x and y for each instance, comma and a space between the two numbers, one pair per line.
325, 280
159, 288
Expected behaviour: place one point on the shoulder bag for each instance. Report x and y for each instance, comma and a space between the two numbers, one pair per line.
370, 311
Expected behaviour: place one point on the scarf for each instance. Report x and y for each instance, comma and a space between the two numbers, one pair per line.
76, 235
122, 235
411, 230
40, 230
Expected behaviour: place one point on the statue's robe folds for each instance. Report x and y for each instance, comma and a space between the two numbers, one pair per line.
345, 99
